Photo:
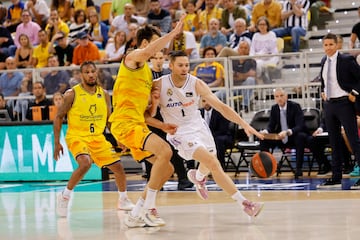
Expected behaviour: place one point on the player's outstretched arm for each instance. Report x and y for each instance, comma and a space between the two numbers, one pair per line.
205, 92
144, 54
61, 113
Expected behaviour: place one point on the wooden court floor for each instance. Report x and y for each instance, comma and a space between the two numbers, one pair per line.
27, 211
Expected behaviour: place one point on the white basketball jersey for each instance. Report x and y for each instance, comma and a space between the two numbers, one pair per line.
180, 105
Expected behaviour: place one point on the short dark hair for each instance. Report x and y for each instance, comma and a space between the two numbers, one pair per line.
2, 96
330, 36
263, 18
39, 82
210, 48
174, 54
146, 33
87, 63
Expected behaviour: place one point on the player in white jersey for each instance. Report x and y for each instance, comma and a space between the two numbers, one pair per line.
178, 96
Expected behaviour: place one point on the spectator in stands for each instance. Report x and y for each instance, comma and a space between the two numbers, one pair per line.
244, 73
63, 7
80, 4
211, 72
40, 100
56, 80
10, 82
22, 105
315, 8
24, 53
220, 130
4, 106
14, 15
28, 27
211, 11
355, 34
184, 41
85, 50
142, 7
122, 22
75, 79
159, 17
287, 121
115, 50
294, 15
60, 47
55, 25
117, 8
131, 42
264, 43
3, 13
191, 21
80, 24
213, 38
98, 31
172, 6
240, 34
39, 11
58, 99
41, 51
105, 79
271, 9
7, 47
230, 13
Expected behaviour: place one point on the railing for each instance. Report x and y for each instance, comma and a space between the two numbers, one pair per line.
294, 72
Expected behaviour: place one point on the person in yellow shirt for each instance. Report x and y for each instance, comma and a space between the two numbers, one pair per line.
87, 107
271, 9
211, 11
131, 95
41, 51
55, 25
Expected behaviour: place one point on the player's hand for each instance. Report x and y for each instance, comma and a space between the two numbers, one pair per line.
352, 98
179, 26
250, 130
58, 150
169, 128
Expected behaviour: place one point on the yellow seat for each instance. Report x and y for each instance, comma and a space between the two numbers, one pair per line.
105, 9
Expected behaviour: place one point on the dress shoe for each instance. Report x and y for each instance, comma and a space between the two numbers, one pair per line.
184, 184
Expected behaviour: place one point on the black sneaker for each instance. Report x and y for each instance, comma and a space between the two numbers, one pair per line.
184, 184
330, 183
356, 185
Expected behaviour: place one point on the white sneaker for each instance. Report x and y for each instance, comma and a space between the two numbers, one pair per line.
133, 222
156, 216
62, 205
125, 204
150, 219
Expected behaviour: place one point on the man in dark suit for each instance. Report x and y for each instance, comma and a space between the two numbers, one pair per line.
220, 129
287, 120
340, 84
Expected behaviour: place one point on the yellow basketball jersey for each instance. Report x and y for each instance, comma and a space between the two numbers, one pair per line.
131, 93
88, 114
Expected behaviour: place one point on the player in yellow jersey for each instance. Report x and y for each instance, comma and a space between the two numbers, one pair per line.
87, 107
131, 97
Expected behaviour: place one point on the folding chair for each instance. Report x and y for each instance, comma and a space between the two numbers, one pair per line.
248, 148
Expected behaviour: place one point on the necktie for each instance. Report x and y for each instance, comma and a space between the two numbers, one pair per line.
283, 123
328, 80
207, 117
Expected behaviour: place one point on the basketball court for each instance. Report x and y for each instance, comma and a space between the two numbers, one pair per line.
293, 210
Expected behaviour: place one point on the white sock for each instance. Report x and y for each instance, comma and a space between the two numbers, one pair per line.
238, 197
150, 198
123, 195
199, 176
138, 207
67, 193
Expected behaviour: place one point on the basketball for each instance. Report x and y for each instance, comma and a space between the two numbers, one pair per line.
263, 164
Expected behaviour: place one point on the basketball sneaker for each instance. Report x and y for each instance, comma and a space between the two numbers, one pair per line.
125, 204
201, 188
252, 208
150, 219
356, 186
62, 205
157, 217
133, 222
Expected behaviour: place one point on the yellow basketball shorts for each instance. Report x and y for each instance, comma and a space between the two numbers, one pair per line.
100, 150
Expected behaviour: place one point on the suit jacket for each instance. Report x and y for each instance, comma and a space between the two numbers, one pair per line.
347, 73
219, 125
294, 117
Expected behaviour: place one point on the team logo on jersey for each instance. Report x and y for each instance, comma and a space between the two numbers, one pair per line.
92, 109
169, 92
189, 94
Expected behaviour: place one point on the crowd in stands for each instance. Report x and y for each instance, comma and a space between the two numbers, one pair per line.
39, 34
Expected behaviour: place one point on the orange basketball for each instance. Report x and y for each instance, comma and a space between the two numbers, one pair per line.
263, 164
